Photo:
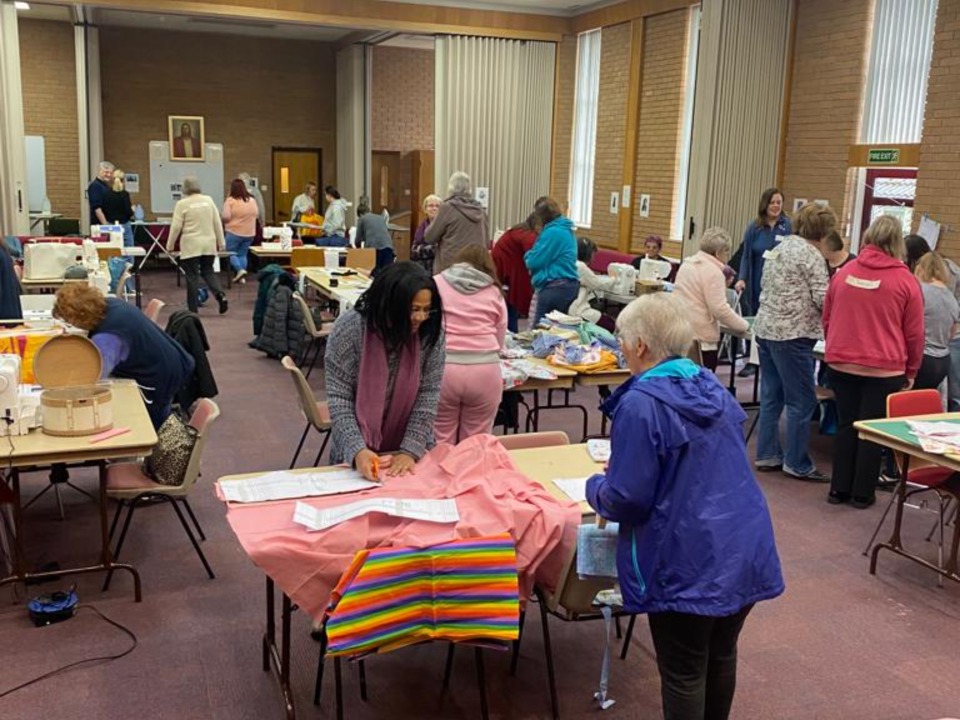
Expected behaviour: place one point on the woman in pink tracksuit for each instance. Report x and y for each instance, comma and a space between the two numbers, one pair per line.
475, 322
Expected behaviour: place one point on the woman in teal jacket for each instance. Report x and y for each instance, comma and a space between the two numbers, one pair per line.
696, 547
552, 261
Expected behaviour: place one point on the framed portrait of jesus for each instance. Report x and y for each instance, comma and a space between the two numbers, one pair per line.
186, 137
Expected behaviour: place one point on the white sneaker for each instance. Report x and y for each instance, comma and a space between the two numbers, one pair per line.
239, 276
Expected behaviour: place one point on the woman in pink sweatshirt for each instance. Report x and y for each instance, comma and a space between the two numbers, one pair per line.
239, 214
873, 324
475, 323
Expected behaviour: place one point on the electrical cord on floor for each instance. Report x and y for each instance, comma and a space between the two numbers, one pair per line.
103, 658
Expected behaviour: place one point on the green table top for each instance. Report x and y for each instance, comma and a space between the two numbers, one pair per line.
899, 428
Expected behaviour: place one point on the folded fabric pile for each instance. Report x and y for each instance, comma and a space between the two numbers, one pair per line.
517, 372
592, 358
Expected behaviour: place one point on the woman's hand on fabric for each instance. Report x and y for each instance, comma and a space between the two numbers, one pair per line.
368, 464
401, 464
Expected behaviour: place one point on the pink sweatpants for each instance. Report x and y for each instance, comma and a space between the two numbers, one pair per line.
469, 398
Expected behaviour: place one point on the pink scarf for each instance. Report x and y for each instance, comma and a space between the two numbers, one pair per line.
383, 427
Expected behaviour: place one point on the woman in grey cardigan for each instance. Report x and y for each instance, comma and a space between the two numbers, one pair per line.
384, 363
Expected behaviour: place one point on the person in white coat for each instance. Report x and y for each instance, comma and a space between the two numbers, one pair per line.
592, 286
703, 287
197, 225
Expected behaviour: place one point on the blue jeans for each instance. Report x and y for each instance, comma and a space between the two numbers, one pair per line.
557, 295
240, 246
332, 241
786, 381
953, 377
127, 234
513, 318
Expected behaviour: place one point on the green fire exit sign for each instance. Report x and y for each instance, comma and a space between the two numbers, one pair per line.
883, 156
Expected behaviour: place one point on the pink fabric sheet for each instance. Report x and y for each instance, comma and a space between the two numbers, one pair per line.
492, 497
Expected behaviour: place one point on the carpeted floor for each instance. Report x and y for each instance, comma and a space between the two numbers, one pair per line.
839, 644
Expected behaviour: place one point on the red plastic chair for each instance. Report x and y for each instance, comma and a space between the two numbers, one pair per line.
920, 477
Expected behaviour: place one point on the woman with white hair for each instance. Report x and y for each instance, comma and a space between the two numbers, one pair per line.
461, 221
696, 548
702, 285
196, 222
420, 252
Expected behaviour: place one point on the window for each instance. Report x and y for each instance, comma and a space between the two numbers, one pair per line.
900, 54
686, 135
584, 151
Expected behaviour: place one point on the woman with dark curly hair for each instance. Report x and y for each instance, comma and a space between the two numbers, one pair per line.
132, 345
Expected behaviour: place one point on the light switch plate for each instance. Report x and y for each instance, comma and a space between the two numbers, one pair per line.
625, 196
614, 203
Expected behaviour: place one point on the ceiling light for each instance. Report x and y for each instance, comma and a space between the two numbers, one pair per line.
20, 5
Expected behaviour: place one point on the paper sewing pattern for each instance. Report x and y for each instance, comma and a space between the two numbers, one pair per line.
438, 511
284, 485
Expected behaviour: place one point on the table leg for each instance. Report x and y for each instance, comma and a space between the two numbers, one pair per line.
280, 657
137, 288
106, 563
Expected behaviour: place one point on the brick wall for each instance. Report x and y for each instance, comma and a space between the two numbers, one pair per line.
49, 77
661, 115
937, 192
566, 89
402, 99
254, 94
611, 131
829, 75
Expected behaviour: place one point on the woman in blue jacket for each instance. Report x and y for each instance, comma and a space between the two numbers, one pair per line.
552, 261
696, 547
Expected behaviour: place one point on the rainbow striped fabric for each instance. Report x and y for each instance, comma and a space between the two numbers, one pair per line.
457, 591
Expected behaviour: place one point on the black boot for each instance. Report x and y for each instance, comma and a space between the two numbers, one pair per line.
222, 302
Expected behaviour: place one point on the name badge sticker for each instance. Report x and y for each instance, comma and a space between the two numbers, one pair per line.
770, 254
862, 283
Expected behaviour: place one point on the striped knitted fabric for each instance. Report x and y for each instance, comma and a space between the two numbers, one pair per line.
457, 591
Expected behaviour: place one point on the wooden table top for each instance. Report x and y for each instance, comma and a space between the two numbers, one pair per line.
319, 277
129, 411
562, 461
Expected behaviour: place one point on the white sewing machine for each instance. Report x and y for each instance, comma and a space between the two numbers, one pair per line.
19, 406
625, 275
283, 234
654, 269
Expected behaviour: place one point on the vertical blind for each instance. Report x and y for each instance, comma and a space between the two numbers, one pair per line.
494, 119
586, 104
738, 111
900, 52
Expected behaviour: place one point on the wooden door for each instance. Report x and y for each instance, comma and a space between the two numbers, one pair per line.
292, 170
421, 185
385, 179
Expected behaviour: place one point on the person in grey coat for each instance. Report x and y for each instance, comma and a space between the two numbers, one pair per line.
461, 221
372, 232
384, 363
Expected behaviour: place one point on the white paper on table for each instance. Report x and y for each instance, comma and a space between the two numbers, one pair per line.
438, 511
573, 488
284, 485
929, 230
936, 428
599, 450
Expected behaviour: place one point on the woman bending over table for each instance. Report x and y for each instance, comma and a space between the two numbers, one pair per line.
384, 363
696, 547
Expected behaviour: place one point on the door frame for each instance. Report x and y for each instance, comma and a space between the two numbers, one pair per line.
283, 148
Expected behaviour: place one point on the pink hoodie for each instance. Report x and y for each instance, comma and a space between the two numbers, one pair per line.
474, 318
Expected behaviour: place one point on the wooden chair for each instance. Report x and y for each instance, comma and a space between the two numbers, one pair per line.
132, 488
573, 599
522, 441
307, 256
111, 251
362, 258
318, 336
152, 311
916, 477
317, 414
